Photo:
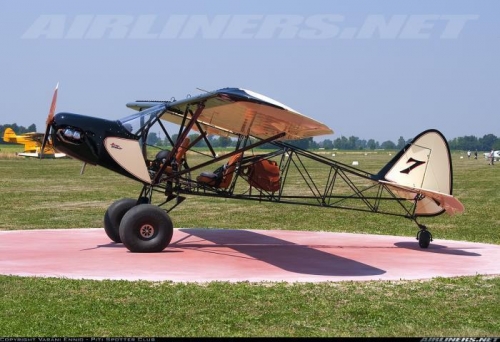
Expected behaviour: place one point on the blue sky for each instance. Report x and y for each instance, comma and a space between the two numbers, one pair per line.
372, 69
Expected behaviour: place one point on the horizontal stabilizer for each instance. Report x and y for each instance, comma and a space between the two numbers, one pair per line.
429, 202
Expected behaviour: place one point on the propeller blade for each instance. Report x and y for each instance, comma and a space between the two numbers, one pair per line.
45, 139
48, 122
52, 109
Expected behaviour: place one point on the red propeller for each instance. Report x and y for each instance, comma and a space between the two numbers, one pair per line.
48, 122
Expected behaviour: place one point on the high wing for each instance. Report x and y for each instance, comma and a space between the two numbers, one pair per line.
235, 111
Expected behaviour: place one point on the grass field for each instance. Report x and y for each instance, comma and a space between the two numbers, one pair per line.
38, 194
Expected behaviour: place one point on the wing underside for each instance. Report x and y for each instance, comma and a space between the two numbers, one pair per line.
233, 111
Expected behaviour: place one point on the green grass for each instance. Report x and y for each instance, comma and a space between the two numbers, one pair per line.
38, 194
466, 306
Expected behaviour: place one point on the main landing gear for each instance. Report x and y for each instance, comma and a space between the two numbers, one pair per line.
424, 236
142, 227
114, 215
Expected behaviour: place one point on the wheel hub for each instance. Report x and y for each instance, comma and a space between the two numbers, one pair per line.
147, 231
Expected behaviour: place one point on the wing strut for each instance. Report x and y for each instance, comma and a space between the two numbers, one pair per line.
180, 139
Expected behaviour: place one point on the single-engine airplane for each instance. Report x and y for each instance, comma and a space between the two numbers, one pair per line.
496, 155
33, 141
417, 182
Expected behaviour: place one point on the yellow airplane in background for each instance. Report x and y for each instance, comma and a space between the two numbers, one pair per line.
32, 144
32, 141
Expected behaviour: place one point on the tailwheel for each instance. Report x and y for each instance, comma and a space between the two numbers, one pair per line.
114, 215
146, 228
424, 237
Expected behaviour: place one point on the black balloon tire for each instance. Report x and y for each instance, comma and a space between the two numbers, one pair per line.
424, 239
114, 216
149, 218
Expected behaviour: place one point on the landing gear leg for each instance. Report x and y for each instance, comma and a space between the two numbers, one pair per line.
424, 237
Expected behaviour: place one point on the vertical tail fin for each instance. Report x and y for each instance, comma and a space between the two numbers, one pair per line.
9, 136
422, 171
424, 163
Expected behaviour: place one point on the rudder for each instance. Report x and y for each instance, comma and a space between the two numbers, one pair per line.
9, 136
422, 171
424, 163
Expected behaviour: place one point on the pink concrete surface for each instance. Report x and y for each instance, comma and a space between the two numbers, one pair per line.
203, 255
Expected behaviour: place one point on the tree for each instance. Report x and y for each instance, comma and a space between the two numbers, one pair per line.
353, 143
341, 143
152, 139
468, 142
224, 141
372, 144
487, 142
301, 143
327, 144
401, 143
174, 137
200, 143
388, 145
362, 144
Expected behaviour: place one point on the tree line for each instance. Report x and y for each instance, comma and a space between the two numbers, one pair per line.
468, 142
486, 143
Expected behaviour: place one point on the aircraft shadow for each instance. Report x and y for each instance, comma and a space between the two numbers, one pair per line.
433, 248
106, 245
277, 252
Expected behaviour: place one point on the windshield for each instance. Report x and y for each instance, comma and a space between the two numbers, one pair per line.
137, 122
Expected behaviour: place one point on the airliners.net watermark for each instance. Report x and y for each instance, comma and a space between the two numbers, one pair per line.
251, 26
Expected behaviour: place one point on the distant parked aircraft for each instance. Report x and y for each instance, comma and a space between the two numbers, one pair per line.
32, 144
496, 155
